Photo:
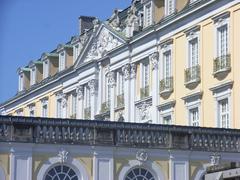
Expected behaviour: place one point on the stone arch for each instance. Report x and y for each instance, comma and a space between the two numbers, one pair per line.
150, 166
72, 163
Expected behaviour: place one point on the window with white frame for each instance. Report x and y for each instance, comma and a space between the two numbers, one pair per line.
45, 69
87, 97
21, 82
33, 76
169, 7
148, 11
45, 108
145, 74
62, 61
166, 112
59, 108
31, 110
193, 50
224, 113
222, 40
139, 173
167, 64
76, 52
167, 119
194, 116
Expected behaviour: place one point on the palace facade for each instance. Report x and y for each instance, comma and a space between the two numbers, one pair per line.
165, 62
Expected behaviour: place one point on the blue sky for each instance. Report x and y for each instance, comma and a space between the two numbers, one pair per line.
30, 27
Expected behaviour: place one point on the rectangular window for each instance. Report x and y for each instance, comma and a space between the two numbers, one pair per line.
62, 63
167, 64
223, 111
21, 80
193, 52
33, 76
148, 15
45, 69
59, 108
44, 108
146, 75
167, 119
222, 39
194, 116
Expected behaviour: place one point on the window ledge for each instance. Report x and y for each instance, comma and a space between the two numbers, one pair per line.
220, 71
192, 82
166, 92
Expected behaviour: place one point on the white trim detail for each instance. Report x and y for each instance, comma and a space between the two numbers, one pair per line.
73, 163
151, 166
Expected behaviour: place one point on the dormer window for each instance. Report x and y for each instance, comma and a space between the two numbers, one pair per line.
169, 7
148, 12
21, 82
76, 52
45, 69
62, 61
33, 76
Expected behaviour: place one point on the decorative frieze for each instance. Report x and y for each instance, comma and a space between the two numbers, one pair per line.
142, 155
62, 156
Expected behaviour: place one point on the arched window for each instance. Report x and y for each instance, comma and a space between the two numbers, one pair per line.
61, 172
139, 174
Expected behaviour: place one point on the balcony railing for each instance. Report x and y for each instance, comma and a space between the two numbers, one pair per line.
192, 75
222, 64
105, 107
117, 134
120, 100
144, 92
87, 113
166, 85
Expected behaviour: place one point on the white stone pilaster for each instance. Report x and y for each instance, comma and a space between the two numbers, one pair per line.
133, 93
64, 106
20, 164
93, 90
154, 59
100, 93
112, 85
80, 94
103, 165
126, 71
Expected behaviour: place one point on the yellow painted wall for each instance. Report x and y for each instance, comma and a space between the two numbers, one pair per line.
5, 164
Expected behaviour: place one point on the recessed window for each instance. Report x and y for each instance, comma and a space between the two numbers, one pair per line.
148, 14
61, 172
44, 108
223, 113
33, 76
139, 173
45, 69
194, 116
167, 119
169, 7
193, 52
167, 64
21, 83
62, 61
222, 41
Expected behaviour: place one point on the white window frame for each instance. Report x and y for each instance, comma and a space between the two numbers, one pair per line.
45, 68
219, 22
193, 36
59, 100
32, 110
45, 110
33, 75
166, 48
76, 52
144, 65
190, 119
62, 60
167, 110
146, 17
220, 114
21, 82
167, 8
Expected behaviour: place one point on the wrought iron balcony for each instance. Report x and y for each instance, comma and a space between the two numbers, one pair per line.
192, 75
120, 100
87, 113
166, 85
119, 134
144, 92
222, 64
105, 107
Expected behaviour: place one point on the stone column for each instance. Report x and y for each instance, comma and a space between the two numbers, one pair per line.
64, 106
126, 71
99, 89
112, 85
154, 59
133, 93
93, 90
79, 91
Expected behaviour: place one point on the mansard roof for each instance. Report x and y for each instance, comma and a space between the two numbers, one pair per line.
119, 134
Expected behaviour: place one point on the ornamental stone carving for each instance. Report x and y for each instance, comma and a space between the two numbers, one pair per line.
142, 155
62, 156
79, 91
154, 60
96, 24
101, 45
144, 111
133, 70
126, 71
64, 100
215, 159
93, 86
111, 79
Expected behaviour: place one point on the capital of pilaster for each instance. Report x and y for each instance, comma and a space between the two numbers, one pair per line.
92, 84
154, 60
126, 69
79, 92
